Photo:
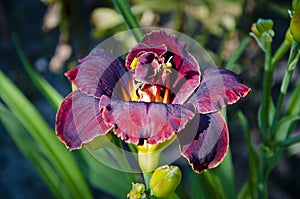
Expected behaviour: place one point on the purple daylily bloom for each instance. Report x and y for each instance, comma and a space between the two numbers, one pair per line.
156, 93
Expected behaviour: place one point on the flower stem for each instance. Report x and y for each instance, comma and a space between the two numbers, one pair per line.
267, 85
147, 176
283, 48
292, 61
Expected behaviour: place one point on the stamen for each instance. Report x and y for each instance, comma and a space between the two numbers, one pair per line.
169, 59
134, 63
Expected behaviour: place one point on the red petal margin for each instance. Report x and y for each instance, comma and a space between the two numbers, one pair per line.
218, 88
98, 74
79, 120
135, 122
210, 144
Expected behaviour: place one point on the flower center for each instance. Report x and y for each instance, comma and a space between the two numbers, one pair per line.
159, 91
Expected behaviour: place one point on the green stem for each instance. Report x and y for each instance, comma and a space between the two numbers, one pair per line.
293, 59
147, 177
283, 48
262, 178
267, 85
288, 142
130, 20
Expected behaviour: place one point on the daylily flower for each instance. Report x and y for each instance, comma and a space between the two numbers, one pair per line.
157, 93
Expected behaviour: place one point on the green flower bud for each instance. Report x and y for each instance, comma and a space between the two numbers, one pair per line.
137, 191
264, 25
288, 37
266, 37
295, 25
165, 180
296, 4
254, 30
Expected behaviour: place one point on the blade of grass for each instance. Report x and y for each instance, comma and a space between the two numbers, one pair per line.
25, 144
106, 178
226, 175
225, 170
44, 136
237, 54
46, 89
253, 157
130, 20
214, 184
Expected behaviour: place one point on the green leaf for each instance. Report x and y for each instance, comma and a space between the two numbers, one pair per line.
270, 113
244, 192
33, 122
213, 184
112, 181
155, 5
25, 144
46, 89
197, 188
226, 175
129, 18
237, 54
294, 102
284, 125
253, 157
289, 141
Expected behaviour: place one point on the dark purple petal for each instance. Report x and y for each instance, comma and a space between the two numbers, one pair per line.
186, 77
99, 73
141, 48
135, 122
209, 145
218, 88
146, 69
79, 120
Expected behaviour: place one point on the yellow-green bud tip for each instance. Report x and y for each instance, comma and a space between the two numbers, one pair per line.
296, 4
295, 26
165, 180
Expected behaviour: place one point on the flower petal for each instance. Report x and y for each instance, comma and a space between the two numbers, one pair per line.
186, 77
79, 120
98, 73
140, 48
210, 144
135, 122
218, 88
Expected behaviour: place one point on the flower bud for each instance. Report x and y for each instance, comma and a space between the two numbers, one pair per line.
296, 4
288, 37
254, 30
165, 180
295, 26
264, 25
137, 191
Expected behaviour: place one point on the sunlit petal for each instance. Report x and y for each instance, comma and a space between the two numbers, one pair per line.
79, 120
